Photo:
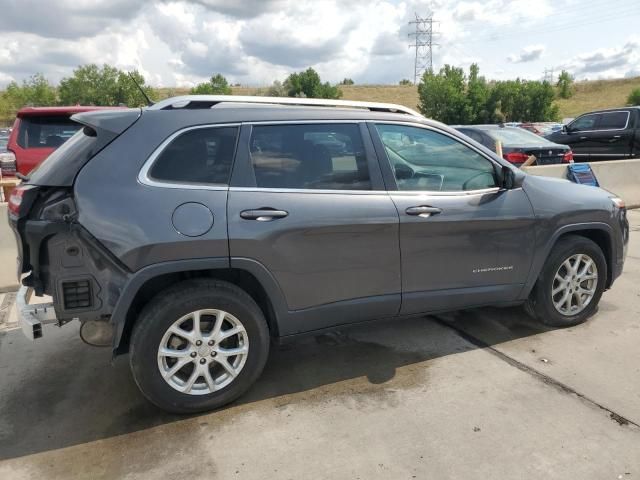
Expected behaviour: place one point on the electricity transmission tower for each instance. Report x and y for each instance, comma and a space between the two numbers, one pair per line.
423, 43
548, 75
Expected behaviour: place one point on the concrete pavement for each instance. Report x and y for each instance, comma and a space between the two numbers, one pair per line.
479, 394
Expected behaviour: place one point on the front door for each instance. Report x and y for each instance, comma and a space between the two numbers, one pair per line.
464, 241
311, 208
578, 136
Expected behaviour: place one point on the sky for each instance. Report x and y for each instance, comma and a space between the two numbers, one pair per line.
254, 42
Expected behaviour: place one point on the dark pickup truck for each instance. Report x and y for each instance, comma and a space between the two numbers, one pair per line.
603, 135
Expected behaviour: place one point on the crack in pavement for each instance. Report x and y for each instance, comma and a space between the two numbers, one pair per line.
564, 388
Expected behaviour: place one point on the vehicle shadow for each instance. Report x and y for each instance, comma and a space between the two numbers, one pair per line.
61, 392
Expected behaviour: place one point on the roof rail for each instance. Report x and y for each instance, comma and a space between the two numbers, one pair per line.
209, 101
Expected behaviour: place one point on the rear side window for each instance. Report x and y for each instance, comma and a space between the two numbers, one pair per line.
322, 156
201, 155
613, 120
46, 131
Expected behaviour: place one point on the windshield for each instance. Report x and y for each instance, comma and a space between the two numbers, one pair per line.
46, 131
517, 136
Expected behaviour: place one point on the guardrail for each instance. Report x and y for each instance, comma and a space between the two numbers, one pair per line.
621, 177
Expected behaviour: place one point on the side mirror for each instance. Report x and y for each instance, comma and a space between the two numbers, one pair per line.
508, 178
511, 178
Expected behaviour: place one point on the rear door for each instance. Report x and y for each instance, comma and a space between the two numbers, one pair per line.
307, 202
464, 241
612, 137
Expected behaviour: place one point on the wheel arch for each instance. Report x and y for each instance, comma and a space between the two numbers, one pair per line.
247, 274
600, 233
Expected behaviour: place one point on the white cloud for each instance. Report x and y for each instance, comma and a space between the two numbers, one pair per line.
528, 54
183, 42
612, 62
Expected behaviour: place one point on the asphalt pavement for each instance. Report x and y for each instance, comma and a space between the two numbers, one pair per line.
481, 394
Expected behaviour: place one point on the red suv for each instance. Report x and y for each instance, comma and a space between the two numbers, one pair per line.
36, 133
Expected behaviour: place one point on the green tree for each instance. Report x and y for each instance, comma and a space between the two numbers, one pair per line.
308, 84
127, 93
565, 84
35, 91
405, 81
89, 85
347, 81
478, 96
443, 95
451, 97
634, 97
276, 90
105, 86
217, 85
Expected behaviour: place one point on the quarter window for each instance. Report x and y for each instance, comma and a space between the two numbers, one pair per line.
309, 156
613, 120
426, 160
201, 155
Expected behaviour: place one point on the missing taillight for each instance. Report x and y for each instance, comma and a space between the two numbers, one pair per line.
15, 200
17, 205
568, 157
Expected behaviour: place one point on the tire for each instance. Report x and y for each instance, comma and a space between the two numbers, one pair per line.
542, 303
217, 302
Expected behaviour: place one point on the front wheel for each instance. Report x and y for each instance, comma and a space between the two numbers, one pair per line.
198, 346
571, 283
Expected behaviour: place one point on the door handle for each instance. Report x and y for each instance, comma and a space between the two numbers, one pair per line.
423, 211
583, 138
263, 214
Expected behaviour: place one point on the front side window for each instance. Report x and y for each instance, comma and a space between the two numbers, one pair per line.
430, 161
613, 120
309, 156
586, 122
201, 155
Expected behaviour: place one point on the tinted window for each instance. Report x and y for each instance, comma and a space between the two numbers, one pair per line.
586, 122
46, 132
202, 155
426, 160
517, 137
613, 120
472, 134
329, 157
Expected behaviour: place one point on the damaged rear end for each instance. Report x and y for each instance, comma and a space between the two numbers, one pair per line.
57, 256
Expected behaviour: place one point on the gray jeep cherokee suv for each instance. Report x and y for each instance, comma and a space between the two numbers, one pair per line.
192, 232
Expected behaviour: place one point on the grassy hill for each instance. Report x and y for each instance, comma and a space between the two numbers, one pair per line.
589, 95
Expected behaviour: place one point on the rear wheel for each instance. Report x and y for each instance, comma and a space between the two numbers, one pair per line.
570, 284
198, 346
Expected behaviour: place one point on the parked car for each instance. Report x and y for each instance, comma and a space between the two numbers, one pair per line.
4, 140
518, 144
36, 133
602, 135
190, 236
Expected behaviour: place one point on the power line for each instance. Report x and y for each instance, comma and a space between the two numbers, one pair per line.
423, 43
587, 19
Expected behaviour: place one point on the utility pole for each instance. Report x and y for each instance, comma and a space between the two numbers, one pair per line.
423, 43
548, 75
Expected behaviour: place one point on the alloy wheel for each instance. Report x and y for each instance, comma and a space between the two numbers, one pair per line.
203, 352
574, 284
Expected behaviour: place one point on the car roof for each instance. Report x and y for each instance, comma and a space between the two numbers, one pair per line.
44, 111
229, 108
